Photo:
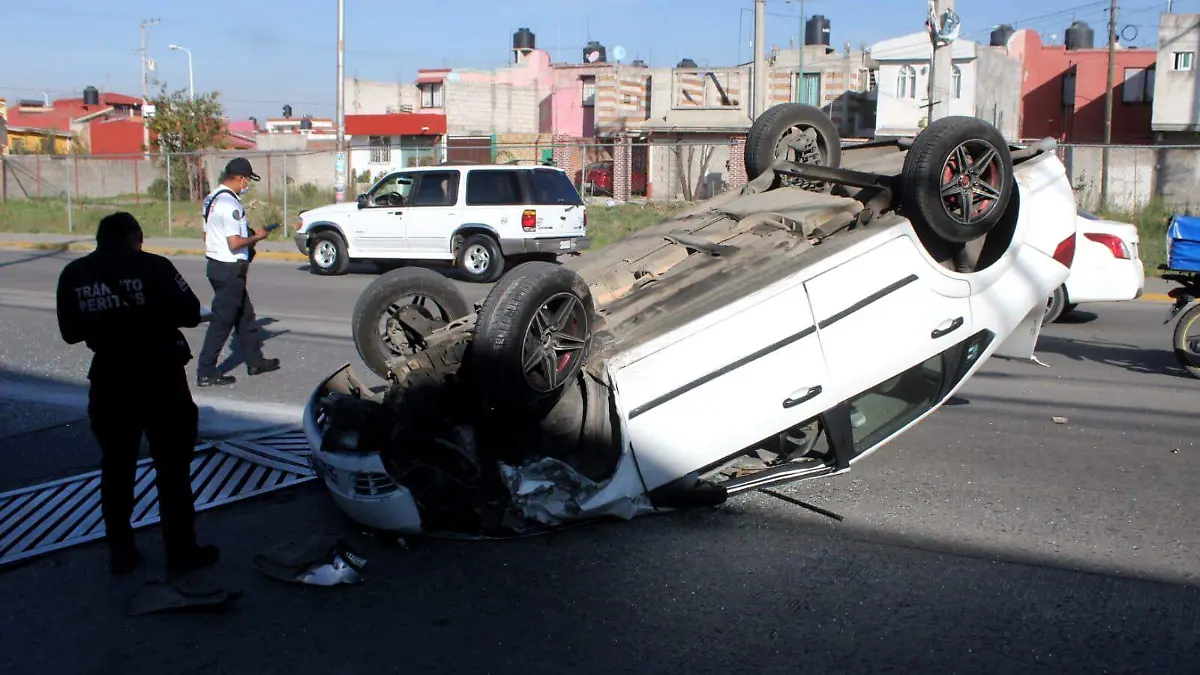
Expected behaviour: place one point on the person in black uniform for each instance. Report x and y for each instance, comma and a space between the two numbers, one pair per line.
128, 306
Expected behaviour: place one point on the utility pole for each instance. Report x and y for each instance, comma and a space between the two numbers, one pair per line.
1108, 101
941, 66
760, 58
340, 162
145, 125
800, 42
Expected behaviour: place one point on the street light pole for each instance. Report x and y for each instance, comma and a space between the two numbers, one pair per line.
191, 83
941, 67
340, 162
760, 57
800, 48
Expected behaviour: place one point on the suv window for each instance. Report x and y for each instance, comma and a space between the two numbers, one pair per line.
436, 188
393, 190
552, 187
493, 188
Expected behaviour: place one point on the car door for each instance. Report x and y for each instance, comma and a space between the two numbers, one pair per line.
432, 214
557, 204
886, 310
378, 226
750, 371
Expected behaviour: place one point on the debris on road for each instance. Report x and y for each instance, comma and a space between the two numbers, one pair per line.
318, 560
1060, 420
158, 597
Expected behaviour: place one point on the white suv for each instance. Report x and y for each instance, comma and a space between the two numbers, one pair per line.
477, 216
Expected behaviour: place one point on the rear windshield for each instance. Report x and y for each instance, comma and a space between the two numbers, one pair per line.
552, 187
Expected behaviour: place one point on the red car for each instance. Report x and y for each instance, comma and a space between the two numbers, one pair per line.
600, 178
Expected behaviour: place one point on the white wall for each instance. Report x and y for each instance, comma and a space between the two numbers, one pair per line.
364, 97
901, 116
1176, 94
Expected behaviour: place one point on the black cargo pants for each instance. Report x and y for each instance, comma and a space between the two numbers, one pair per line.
154, 400
232, 311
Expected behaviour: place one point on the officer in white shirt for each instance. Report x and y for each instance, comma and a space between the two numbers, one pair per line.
228, 242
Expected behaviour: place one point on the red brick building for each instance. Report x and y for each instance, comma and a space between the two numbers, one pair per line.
1063, 91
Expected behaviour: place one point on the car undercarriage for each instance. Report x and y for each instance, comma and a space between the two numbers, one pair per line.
505, 419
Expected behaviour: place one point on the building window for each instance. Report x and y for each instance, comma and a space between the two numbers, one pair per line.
589, 91
381, 149
956, 83
432, 95
1139, 85
906, 83
1183, 60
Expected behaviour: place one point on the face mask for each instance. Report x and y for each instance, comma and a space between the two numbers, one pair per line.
244, 190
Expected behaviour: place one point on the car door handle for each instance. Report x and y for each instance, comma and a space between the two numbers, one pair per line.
802, 395
941, 332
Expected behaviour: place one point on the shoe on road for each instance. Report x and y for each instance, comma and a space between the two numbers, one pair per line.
264, 366
215, 380
197, 558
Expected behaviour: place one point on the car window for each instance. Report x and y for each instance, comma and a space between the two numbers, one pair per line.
493, 188
393, 190
553, 187
436, 188
885, 409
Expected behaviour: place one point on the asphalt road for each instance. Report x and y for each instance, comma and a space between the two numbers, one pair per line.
988, 539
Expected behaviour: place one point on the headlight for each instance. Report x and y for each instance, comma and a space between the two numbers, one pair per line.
299, 224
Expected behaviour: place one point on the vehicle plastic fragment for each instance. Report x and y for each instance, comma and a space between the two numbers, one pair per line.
552, 493
317, 560
158, 597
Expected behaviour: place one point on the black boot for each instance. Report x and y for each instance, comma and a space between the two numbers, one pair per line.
194, 558
264, 366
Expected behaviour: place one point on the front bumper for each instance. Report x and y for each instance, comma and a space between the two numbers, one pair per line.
302, 242
554, 245
357, 481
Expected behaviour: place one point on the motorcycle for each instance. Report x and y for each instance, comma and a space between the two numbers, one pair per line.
1186, 339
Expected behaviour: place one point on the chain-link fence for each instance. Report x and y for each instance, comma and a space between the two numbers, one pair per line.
70, 193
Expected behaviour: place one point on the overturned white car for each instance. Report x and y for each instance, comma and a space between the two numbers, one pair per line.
769, 335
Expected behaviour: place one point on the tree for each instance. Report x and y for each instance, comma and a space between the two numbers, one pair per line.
180, 129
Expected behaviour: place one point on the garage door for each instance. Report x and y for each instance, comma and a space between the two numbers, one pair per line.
476, 149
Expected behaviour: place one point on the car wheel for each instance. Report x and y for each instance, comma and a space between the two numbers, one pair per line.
958, 178
327, 254
787, 123
397, 310
1069, 307
480, 259
532, 336
1055, 305
1185, 341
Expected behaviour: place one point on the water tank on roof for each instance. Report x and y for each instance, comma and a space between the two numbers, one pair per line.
816, 30
1080, 36
594, 53
306, 122
638, 63
287, 111
1001, 34
687, 63
524, 39
91, 96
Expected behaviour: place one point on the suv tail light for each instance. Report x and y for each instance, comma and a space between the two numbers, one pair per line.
1065, 252
529, 220
1114, 244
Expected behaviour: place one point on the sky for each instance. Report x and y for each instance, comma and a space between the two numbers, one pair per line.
285, 51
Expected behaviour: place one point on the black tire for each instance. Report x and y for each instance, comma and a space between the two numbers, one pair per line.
1069, 307
479, 249
1188, 355
381, 298
927, 171
771, 127
1055, 305
507, 320
327, 255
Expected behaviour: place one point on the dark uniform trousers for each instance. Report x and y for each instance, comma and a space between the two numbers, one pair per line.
124, 403
232, 311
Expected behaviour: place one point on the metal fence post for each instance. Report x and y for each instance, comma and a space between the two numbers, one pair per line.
285, 196
70, 215
170, 224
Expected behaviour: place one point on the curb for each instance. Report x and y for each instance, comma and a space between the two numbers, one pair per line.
159, 250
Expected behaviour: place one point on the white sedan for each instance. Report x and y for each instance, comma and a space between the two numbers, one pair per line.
778, 333
1107, 268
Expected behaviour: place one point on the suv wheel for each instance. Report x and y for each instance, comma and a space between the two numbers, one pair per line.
327, 254
480, 259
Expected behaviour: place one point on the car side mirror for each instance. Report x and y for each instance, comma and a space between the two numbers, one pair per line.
362, 200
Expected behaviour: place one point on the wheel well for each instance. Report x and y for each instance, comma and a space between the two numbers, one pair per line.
325, 227
465, 231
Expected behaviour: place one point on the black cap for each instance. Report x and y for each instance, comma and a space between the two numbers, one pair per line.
240, 166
